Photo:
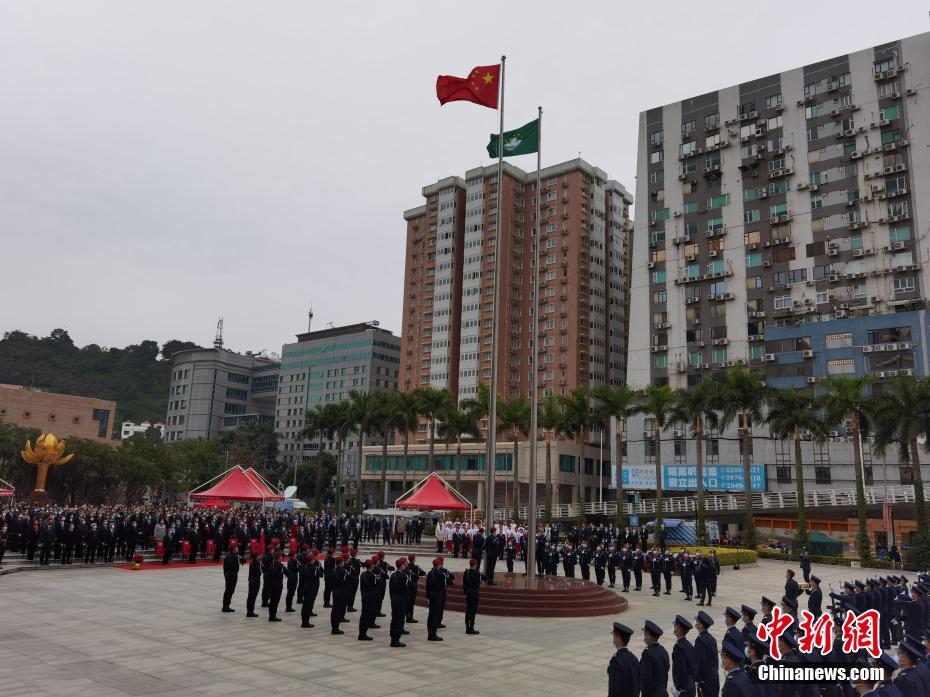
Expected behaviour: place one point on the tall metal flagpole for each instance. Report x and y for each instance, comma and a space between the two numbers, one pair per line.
491, 455
530, 539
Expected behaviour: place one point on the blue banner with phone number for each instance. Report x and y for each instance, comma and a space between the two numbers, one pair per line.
684, 477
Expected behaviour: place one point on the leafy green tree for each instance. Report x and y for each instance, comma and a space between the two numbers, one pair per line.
657, 402
741, 394
790, 413
845, 398
362, 412
550, 418
433, 403
456, 422
901, 416
514, 418
618, 402
579, 419
406, 420
694, 410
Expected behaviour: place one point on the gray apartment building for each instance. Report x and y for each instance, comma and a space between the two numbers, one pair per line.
324, 366
214, 390
783, 222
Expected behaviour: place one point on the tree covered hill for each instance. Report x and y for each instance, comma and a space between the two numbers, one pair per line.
135, 377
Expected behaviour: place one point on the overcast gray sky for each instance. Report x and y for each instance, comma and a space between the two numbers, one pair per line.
166, 163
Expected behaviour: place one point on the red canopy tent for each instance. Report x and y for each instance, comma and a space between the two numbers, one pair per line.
7, 489
434, 494
212, 504
235, 485
262, 484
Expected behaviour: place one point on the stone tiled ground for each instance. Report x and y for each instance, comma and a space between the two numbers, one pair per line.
109, 632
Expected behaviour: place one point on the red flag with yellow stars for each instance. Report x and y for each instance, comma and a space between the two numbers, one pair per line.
481, 87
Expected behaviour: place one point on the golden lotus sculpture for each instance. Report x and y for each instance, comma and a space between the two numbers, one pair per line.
48, 452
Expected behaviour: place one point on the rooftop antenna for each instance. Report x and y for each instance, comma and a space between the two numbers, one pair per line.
310, 318
218, 340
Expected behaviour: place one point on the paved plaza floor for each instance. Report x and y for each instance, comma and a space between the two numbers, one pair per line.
110, 632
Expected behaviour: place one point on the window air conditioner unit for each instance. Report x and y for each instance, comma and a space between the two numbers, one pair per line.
808, 354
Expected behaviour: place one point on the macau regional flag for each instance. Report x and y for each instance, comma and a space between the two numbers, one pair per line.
520, 141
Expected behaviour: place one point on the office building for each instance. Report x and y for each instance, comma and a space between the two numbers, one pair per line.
67, 416
783, 223
214, 390
324, 366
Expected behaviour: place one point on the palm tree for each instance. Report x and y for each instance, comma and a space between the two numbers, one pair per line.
742, 393
790, 413
576, 407
407, 415
657, 401
362, 408
694, 410
432, 403
550, 419
845, 398
384, 419
901, 415
317, 424
334, 421
458, 422
514, 416
619, 402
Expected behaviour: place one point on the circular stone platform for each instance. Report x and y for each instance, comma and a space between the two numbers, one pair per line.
516, 595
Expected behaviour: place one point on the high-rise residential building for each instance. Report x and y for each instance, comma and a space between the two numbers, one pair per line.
452, 243
449, 281
213, 390
324, 366
783, 223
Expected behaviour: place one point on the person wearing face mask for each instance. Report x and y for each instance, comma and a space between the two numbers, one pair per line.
105, 542
111, 541
90, 545
623, 671
70, 540
168, 544
737, 682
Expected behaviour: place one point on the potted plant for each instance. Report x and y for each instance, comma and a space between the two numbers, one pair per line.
137, 560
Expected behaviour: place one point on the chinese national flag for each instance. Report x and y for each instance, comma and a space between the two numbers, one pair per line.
479, 87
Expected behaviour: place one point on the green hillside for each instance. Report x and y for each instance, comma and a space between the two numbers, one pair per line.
135, 377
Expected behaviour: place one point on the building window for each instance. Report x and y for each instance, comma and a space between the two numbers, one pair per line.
566, 463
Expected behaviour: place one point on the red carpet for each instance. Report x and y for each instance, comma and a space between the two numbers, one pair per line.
149, 566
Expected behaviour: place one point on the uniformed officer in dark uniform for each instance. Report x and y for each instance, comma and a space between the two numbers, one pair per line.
414, 573
275, 583
730, 617
310, 574
886, 686
913, 611
231, 575
908, 681
653, 663
255, 580
767, 607
368, 585
686, 570
623, 674
636, 563
705, 650
684, 660
806, 565
758, 655
471, 586
668, 566
600, 564
291, 572
655, 571
436, 582
815, 599
737, 682
398, 590
340, 591
792, 589
749, 625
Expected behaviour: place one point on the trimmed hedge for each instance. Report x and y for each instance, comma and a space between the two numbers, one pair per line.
768, 553
725, 555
